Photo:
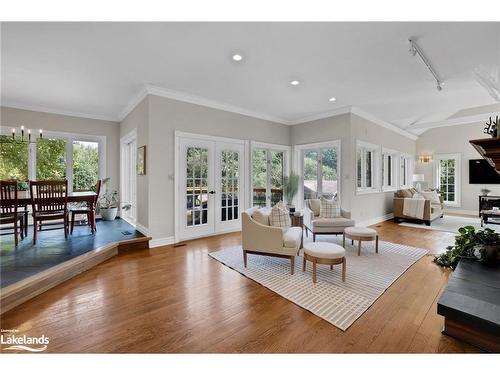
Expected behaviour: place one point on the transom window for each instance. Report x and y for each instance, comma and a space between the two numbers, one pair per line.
448, 177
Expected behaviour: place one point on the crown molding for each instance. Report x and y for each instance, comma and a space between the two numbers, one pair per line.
322, 115
136, 99
198, 100
465, 120
368, 116
56, 111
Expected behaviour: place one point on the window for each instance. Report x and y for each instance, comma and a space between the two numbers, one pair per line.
367, 159
320, 170
268, 171
448, 178
389, 179
79, 159
406, 170
13, 159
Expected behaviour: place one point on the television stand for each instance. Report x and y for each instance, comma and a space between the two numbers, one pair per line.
487, 202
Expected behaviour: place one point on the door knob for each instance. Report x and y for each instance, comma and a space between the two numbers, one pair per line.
211, 192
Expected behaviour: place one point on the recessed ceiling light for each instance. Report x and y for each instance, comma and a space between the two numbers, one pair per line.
332, 99
237, 57
294, 82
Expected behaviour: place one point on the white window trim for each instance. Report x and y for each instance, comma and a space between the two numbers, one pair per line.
376, 168
69, 138
299, 165
254, 145
395, 157
458, 182
409, 171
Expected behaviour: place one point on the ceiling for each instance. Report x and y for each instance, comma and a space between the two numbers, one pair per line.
96, 69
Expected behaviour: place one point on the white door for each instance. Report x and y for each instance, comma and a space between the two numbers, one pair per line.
129, 176
210, 187
229, 178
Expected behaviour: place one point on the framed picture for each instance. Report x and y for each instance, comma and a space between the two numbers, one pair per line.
141, 160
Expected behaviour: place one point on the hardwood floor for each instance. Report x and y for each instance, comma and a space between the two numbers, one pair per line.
181, 300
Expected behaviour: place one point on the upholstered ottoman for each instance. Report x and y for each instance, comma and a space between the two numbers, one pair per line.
360, 234
324, 253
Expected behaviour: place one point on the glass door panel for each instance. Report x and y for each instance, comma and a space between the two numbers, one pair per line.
277, 170
310, 174
196, 186
329, 181
259, 177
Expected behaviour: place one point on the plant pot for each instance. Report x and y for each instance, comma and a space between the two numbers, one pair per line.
491, 253
108, 214
291, 208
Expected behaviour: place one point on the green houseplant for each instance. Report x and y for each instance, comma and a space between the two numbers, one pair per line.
290, 189
483, 245
108, 203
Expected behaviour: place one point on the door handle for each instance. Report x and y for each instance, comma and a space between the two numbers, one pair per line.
211, 192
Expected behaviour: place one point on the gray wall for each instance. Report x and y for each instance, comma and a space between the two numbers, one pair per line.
349, 128
13, 117
138, 119
454, 140
165, 117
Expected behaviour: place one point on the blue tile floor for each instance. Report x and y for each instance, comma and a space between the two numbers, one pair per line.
52, 249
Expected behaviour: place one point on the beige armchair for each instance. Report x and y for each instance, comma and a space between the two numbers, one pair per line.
319, 225
262, 239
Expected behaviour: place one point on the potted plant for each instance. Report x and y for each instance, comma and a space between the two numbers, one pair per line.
483, 245
290, 189
108, 203
485, 191
22, 188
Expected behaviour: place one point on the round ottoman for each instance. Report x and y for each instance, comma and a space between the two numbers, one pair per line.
324, 253
361, 234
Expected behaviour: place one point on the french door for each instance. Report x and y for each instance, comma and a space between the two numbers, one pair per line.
210, 186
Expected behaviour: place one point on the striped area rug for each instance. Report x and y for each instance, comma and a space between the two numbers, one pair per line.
340, 304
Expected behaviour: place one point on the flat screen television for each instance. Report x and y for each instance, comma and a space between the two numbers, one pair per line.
481, 172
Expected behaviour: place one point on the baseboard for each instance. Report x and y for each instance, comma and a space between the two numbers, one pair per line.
142, 229
375, 220
461, 212
164, 241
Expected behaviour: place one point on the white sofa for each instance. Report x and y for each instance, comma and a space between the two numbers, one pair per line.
259, 238
319, 225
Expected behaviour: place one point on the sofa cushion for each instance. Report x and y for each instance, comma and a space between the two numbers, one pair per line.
315, 206
292, 237
329, 208
261, 216
279, 218
332, 222
433, 196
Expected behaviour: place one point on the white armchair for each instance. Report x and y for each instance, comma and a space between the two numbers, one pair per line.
319, 225
259, 238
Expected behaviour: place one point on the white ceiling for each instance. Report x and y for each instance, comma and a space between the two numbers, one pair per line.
98, 68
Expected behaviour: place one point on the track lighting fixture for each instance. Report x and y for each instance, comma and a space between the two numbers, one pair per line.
415, 50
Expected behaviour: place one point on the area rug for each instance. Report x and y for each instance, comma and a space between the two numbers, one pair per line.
450, 223
339, 303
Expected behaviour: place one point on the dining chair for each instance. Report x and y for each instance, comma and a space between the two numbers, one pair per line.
49, 200
9, 210
89, 210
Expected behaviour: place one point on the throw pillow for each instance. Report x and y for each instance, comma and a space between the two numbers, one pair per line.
261, 216
329, 208
280, 218
433, 196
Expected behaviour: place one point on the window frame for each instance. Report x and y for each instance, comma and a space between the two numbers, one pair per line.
268, 147
299, 166
395, 159
69, 138
457, 177
375, 168
408, 173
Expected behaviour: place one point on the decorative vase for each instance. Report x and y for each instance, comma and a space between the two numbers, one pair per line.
291, 208
108, 214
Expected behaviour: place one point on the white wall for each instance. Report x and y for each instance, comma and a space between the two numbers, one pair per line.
454, 140
14, 118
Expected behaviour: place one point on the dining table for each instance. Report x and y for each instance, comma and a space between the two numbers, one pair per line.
74, 197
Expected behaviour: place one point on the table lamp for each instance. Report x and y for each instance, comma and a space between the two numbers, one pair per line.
418, 178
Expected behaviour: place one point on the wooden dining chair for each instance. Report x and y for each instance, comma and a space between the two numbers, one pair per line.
89, 210
49, 200
9, 209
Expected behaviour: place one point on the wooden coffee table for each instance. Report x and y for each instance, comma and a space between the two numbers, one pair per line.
360, 234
